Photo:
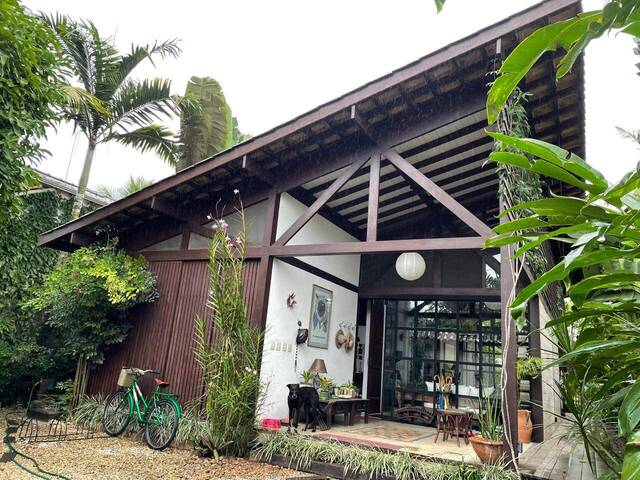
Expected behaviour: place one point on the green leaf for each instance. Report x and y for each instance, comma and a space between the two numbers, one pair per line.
559, 272
439, 5
546, 39
557, 156
520, 224
631, 462
629, 415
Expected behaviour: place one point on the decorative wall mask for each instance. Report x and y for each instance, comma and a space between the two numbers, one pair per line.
291, 300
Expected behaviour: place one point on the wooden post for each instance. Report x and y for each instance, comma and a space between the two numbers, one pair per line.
509, 355
263, 282
374, 191
535, 384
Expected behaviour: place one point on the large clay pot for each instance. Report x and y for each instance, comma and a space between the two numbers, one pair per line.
489, 451
525, 427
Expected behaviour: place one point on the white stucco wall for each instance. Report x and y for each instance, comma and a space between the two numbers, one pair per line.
551, 403
278, 363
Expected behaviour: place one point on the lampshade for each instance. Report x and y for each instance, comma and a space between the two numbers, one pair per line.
410, 266
318, 366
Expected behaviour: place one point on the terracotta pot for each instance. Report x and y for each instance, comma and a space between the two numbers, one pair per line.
525, 427
489, 451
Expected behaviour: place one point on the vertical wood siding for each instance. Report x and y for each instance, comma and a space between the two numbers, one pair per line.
162, 336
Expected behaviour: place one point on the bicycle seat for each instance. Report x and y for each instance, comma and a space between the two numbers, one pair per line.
161, 383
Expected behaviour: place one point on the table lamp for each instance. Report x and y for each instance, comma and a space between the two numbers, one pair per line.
317, 367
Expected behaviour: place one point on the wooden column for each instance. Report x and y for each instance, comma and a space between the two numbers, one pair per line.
374, 191
535, 385
263, 280
509, 354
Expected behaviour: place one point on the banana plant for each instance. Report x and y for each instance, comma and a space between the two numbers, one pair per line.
601, 275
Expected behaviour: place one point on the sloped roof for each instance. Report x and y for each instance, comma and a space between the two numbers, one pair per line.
428, 85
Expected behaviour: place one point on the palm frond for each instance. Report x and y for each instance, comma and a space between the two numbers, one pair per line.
78, 99
154, 138
128, 62
140, 102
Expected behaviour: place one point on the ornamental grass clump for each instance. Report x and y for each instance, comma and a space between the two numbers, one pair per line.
372, 463
228, 349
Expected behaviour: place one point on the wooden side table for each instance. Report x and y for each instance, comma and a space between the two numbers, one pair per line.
453, 422
349, 407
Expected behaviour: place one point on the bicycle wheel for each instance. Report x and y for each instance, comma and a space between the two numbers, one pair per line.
162, 425
116, 414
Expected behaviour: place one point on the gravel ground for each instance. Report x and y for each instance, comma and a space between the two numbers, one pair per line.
130, 458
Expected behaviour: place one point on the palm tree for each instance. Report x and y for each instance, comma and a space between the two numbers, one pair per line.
132, 185
117, 108
210, 128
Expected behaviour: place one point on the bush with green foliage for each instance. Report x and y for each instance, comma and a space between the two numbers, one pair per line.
88, 296
230, 360
28, 94
301, 450
28, 347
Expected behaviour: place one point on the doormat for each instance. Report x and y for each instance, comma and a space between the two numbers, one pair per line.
398, 432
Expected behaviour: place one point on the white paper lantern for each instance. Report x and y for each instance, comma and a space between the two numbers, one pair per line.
410, 266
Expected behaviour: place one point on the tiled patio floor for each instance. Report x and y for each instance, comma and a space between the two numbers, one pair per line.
547, 460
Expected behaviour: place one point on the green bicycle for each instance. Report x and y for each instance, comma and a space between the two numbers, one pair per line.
160, 415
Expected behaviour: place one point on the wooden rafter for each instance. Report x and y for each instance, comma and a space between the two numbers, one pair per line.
439, 194
321, 201
176, 213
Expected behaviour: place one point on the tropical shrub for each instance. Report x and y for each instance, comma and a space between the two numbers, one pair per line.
28, 93
230, 358
86, 299
29, 349
597, 335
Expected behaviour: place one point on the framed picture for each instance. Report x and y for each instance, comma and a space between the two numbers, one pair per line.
320, 321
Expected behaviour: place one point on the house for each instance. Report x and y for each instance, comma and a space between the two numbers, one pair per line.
48, 182
333, 198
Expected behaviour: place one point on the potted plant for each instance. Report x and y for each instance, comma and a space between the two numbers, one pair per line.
529, 367
325, 388
347, 390
307, 378
488, 445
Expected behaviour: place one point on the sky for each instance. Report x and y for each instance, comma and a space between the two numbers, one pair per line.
277, 59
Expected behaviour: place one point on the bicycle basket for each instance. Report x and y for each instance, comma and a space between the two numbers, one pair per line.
126, 377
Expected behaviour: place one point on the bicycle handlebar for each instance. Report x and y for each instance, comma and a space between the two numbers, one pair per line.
139, 372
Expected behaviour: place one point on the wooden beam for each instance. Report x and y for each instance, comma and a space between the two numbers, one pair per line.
374, 190
488, 294
296, 262
535, 384
81, 240
509, 383
320, 202
363, 124
256, 170
385, 246
439, 194
263, 280
176, 213
490, 260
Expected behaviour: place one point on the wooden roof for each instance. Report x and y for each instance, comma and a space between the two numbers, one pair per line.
453, 154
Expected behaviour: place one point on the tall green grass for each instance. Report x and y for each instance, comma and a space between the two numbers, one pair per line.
369, 462
228, 349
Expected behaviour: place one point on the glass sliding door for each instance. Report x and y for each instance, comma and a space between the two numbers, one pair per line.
456, 339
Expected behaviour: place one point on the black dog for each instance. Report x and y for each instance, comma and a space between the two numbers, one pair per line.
303, 398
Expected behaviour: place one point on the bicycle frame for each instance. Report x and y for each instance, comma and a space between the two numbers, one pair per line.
137, 398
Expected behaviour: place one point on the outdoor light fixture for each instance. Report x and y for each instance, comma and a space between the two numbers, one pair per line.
410, 266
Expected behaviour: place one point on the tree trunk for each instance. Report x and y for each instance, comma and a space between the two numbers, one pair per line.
84, 180
80, 382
